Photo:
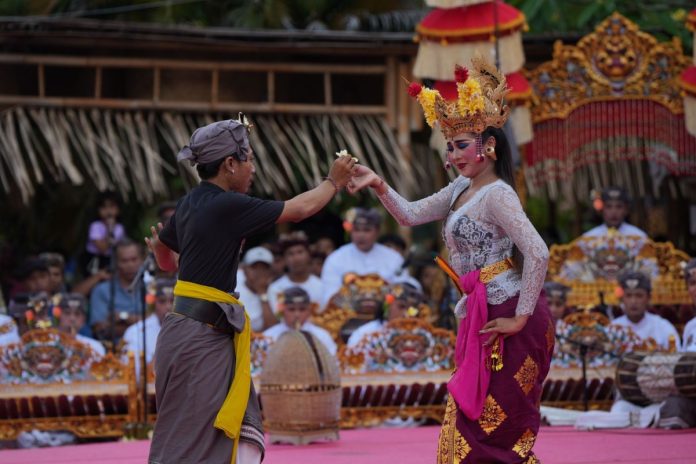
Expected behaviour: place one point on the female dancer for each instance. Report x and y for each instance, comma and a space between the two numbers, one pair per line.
506, 336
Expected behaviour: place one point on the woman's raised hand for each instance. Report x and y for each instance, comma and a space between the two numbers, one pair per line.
364, 177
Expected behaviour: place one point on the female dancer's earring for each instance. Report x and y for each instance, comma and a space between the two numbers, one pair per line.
490, 152
448, 165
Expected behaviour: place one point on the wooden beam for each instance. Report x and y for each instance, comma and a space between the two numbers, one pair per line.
56, 60
270, 81
124, 104
156, 76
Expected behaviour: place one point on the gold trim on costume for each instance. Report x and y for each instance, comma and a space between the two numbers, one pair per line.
524, 444
527, 375
491, 416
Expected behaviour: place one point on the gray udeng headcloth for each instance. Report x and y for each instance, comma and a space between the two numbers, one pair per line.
216, 141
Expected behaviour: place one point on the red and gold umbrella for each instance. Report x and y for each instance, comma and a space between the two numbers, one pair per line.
454, 35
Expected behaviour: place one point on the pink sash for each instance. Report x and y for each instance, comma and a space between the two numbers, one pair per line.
469, 383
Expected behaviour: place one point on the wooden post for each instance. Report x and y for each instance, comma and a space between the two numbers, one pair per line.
404, 130
214, 86
327, 89
97, 82
42, 81
156, 84
390, 86
271, 87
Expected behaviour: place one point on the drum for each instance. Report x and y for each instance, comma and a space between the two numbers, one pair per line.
646, 378
300, 390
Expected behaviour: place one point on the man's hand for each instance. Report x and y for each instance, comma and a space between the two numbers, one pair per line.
166, 258
342, 170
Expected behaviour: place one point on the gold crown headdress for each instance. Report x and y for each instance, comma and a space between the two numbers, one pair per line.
480, 100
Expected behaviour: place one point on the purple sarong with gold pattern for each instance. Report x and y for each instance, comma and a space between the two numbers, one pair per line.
507, 427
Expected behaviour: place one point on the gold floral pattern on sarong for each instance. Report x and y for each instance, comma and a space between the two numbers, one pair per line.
532, 460
527, 374
452, 448
524, 444
550, 336
492, 415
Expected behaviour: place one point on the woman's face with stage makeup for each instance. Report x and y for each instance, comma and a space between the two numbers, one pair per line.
461, 153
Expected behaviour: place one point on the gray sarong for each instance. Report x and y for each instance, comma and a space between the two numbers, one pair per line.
194, 368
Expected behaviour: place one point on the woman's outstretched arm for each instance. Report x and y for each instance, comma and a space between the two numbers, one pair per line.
406, 213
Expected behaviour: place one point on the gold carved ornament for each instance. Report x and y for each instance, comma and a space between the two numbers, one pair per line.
616, 61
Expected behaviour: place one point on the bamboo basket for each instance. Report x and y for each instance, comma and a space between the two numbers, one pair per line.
300, 390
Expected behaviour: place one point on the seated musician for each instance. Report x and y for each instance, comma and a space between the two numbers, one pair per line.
636, 288
296, 309
163, 302
690, 328
8, 330
401, 302
615, 207
557, 296
73, 316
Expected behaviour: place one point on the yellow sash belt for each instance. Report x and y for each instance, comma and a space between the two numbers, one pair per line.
229, 418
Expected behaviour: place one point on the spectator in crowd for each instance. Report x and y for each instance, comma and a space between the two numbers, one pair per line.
636, 288
253, 291
324, 245
362, 256
165, 211
402, 301
126, 305
318, 259
690, 328
395, 242
56, 272
8, 330
278, 266
163, 302
614, 206
557, 297
33, 276
298, 260
104, 233
73, 315
296, 309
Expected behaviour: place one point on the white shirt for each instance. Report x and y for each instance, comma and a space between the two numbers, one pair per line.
313, 286
652, 326
380, 260
624, 229
252, 305
8, 330
322, 335
133, 338
96, 346
690, 336
363, 331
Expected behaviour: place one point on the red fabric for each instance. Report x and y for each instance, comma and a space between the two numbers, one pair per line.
469, 383
610, 132
688, 80
471, 20
517, 83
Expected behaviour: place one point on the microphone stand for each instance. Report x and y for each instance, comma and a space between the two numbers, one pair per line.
143, 427
584, 348
112, 293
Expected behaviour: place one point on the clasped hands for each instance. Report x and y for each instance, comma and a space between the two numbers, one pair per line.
346, 173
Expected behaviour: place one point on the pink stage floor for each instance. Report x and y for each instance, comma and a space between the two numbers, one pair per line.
558, 445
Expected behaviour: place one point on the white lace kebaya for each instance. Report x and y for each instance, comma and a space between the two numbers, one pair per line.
479, 233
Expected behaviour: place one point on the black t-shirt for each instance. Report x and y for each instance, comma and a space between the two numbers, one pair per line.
208, 228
